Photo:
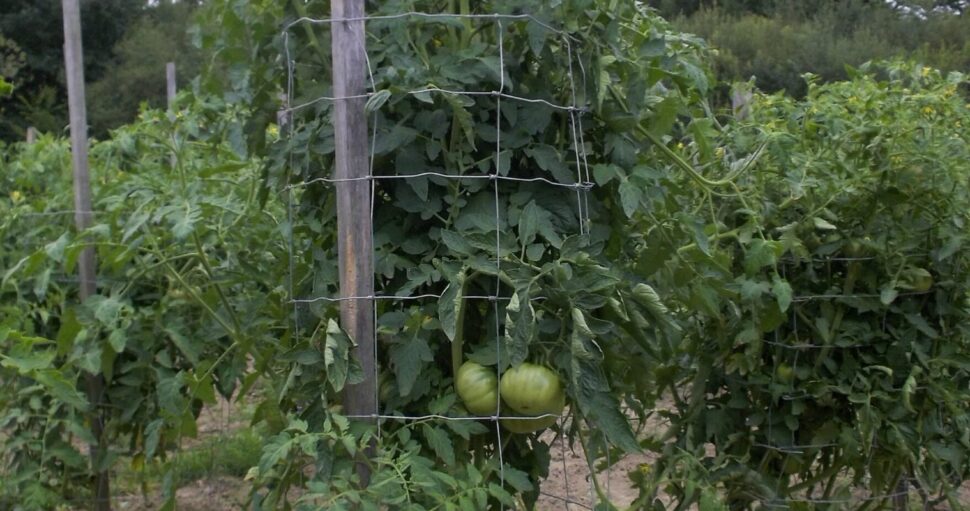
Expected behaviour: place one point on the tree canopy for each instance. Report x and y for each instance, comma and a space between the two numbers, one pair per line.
116, 34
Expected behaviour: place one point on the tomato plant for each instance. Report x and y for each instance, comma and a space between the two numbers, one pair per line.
532, 259
175, 319
823, 291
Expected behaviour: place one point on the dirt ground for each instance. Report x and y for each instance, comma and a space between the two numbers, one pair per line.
569, 486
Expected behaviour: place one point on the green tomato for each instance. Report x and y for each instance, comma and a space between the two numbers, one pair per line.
785, 373
477, 387
792, 465
532, 389
855, 248
922, 281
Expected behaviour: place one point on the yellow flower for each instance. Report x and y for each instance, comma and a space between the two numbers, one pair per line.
16, 196
928, 110
680, 145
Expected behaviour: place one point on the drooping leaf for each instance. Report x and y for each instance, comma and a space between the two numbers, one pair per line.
450, 304
630, 196
529, 220
408, 356
783, 293
61, 388
520, 326
336, 355
440, 443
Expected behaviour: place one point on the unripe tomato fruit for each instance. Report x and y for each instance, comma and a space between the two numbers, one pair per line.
785, 373
922, 282
477, 386
532, 389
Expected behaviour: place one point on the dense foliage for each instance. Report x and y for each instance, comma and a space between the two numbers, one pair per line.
179, 282
775, 42
548, 250
825, 299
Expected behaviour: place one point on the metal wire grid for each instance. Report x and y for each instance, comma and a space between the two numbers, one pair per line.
582, 186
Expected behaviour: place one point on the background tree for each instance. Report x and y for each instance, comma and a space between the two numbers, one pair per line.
776, 42
36, 27
136, 75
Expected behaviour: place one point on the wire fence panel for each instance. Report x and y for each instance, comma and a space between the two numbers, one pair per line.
493, 175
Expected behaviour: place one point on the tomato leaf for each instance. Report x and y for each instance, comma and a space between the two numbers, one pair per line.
449, 305
153, 433
407, 358
61, 388
783, 293
336, 355
593, 390
440, 443
630, 196
520, 326
529, 223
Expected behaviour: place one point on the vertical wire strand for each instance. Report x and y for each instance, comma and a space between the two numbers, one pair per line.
575, 137
373, 254
290, 217
584, 223
498, 242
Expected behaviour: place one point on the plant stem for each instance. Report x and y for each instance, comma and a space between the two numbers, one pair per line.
603, 498
210, 273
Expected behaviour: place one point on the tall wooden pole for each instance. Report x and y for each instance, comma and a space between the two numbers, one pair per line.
170, 88
354, 229
83, 217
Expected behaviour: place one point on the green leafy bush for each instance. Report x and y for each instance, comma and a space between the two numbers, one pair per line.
520, 225
825, 299
179, 283
779, 45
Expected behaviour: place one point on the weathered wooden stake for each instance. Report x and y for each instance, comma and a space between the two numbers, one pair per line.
170, 92
354, 229
83, 216
170, 88
31, 134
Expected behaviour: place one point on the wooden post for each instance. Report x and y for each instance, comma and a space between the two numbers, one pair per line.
283, 115
83, 217
354, 229
31, 134
170, 89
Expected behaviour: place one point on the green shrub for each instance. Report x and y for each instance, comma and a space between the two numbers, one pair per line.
778, 47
